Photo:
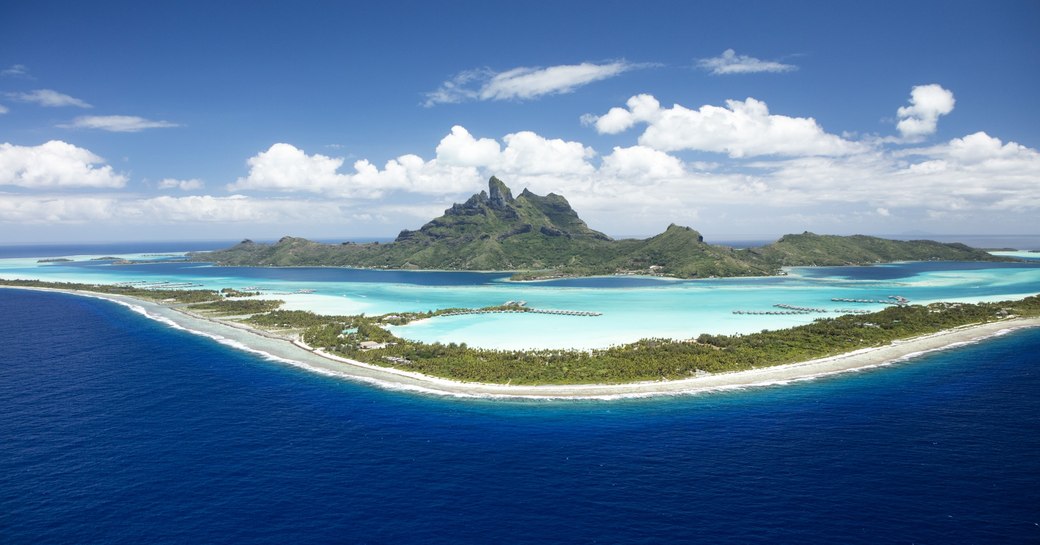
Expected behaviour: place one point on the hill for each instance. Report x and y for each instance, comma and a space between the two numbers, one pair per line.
542, 236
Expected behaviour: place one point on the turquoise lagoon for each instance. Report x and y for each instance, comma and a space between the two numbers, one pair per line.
631, 307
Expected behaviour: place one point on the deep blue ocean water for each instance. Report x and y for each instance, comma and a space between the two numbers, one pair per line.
117, 429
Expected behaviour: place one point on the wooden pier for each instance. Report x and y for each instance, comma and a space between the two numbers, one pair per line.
523, 310
157, 285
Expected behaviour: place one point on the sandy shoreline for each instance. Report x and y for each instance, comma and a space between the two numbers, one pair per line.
297, 354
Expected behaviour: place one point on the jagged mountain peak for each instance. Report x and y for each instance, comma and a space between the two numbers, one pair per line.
495, 213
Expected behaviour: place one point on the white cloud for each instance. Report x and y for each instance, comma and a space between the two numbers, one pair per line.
117, 123
411, 173
527, 83
973, 173
460, 148
78, 209
982, 149
3, 109
285, 168
55, 164
522, 83
740, 129
525, 153
531, 154
462, 164
183, 185
640, 163
640, 108
48, 98
460, 88
731, 63
16, 71
927, 103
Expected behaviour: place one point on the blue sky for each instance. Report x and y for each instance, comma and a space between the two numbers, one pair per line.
222, 120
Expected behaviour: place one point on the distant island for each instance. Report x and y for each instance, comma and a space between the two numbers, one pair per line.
543, 237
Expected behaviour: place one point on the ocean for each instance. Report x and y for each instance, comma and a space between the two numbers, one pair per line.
118, 429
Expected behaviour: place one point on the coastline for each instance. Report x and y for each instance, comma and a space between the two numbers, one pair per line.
296, 353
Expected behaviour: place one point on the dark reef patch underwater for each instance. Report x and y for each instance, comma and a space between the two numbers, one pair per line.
117, 429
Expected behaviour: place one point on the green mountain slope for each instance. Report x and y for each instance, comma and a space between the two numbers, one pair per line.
823, 250
543, 236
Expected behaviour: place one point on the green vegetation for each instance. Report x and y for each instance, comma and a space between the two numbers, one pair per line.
829, 250
237, 306
232, 292
543, 237
297, 319
172, 295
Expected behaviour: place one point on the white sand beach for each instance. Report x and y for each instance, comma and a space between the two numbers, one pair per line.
299, 355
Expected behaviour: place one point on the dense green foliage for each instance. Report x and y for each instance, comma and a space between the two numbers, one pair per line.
232, 292
543, 237
238, 306
829, 250
295, 319
179, 296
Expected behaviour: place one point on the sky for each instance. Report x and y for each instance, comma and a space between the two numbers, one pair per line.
128, 121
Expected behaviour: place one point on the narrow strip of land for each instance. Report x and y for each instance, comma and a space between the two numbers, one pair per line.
297, 353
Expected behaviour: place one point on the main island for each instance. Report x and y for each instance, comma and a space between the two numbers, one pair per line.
541, 237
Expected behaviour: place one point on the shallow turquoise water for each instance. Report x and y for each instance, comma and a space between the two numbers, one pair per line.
631, 308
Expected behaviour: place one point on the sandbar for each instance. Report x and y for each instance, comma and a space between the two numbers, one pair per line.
296, 353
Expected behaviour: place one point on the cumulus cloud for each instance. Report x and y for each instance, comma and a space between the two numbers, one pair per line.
981, 170
286, 168
117, 123
16, 71
462, 149
526, 159
48, 98
741, 129
461, 164
731, 63
640, 163
55, 164
981, 148
529, 153
3, 109
522, 83
975, 173
927, 103
410, 173
183, 185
